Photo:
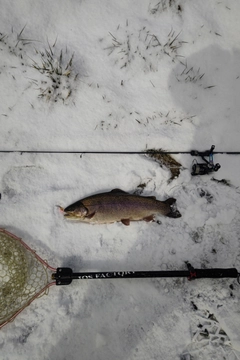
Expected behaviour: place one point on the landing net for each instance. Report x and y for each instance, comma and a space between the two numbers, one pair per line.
23, 276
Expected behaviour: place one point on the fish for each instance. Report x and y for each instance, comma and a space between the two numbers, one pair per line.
119, 206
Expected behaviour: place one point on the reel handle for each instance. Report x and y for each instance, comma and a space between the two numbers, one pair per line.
203, 153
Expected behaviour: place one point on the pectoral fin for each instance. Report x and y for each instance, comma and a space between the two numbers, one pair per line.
125, 222
90, 215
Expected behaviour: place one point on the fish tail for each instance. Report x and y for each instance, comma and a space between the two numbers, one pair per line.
173, 213
170, 201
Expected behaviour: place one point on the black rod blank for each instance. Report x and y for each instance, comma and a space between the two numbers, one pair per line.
64, 276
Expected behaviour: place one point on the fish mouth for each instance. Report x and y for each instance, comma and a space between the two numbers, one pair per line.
72, 215
69, 214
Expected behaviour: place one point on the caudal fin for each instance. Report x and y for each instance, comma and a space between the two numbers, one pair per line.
173, 213
170, 201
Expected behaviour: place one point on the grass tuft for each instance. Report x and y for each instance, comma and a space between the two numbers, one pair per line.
128, 47
164, 5
166, 160
58, 74
222, 181
190, 74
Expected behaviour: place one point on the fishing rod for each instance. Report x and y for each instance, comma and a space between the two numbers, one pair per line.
197, 168
25, 276
144, 152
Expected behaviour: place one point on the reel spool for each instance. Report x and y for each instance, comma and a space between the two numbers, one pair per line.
208, 165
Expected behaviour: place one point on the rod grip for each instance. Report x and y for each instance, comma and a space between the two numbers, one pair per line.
216, 273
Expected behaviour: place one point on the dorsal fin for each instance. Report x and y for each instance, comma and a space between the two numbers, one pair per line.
118, 191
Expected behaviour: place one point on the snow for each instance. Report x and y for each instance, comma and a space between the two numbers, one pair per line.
123, 91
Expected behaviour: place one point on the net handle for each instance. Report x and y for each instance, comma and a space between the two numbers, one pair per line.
64, 276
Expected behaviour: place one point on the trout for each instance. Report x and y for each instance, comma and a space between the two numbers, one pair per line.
118, 205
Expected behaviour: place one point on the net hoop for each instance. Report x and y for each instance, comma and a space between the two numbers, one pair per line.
34, 282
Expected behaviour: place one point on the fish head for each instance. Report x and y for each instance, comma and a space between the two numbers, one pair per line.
76, 211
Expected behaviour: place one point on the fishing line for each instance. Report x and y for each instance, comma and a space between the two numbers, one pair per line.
145, 152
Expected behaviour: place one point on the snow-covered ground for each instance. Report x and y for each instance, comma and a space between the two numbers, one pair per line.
122, 76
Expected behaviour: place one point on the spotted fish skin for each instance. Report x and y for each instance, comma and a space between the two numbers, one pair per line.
118, 205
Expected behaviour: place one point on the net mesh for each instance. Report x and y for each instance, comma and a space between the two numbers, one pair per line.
22, 276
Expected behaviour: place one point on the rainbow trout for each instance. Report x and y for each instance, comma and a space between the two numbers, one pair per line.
118, 205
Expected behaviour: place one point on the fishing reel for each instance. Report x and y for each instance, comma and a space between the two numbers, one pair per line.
208, 165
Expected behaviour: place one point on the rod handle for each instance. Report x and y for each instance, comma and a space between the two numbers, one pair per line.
216, 273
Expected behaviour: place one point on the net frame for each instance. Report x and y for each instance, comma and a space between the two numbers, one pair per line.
34, 276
